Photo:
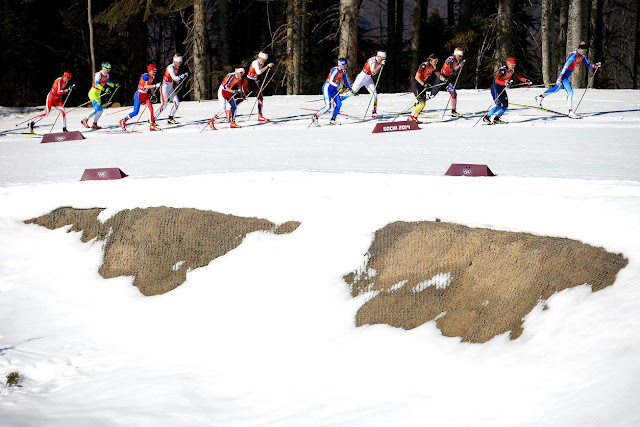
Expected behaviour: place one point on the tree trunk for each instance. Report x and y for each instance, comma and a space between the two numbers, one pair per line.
595, 33
295, 46
415, 35
398, 44
224, 35
348, 43
93, 54
464, 12
561, 41
576, 32
636, 58
391, 37
547, 28
451, 13
505, 31
200, 45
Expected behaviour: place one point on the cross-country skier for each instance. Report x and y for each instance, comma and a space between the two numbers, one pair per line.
228, 88
98, 88
575, 58
504, 78
425, 70
250, 82
142, 97
54, 97
167, 90
330, 90
371, 68
452, 63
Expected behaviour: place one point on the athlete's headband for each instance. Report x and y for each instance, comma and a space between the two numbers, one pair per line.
177, 59
239, 70
342, 62
263, 55
382, 54
458, 52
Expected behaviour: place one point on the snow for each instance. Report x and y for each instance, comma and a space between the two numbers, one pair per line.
266, 335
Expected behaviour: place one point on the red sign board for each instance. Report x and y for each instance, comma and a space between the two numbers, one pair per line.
102, 174
395, 126
62, 136
462, 169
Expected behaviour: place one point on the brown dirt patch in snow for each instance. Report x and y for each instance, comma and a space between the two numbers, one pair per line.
484, 282
159, 245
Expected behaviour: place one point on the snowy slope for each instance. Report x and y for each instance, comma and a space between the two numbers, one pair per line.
265, 335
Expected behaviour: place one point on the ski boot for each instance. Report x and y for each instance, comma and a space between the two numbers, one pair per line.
154, 127
332, 121
498, 121
210, 123
539, 100
374, 114
85, 123
64, 130
95, 126
123, 124
172, 121
414, 119
573, 115
454, 113
487, 120
234, 125
262, 118
31, 127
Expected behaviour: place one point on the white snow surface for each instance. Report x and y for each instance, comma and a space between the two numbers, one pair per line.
266, 335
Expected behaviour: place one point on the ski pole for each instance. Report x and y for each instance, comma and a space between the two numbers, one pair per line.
63, 104
89, 101
140, 116
414, 99
585, 91
259, 93
454, 88
374, 91
28, 120
119, 111
491, 105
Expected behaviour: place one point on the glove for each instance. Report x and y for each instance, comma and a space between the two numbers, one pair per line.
270, 64
384, 61
184, 75
528, 82
354, 93
117, 85
598, 64
508, 84
559, 81
464, 61
70, 88
157, 85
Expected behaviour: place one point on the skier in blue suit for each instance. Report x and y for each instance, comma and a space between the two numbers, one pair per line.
330, 90
575, 58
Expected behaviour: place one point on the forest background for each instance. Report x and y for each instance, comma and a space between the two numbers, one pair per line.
304, 38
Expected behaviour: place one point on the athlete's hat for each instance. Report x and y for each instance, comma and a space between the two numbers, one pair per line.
177, 58
342, 62
583, 46
263, 55
66, 74
239, 70
458, 52
382, 54
151, 69
511, 61
106, 65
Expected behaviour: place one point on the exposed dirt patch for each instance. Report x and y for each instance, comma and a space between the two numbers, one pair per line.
476, 283
159, 245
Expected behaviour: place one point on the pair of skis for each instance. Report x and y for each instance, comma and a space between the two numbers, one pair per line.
545, 109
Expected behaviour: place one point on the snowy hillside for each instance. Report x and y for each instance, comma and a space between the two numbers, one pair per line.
265, 335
